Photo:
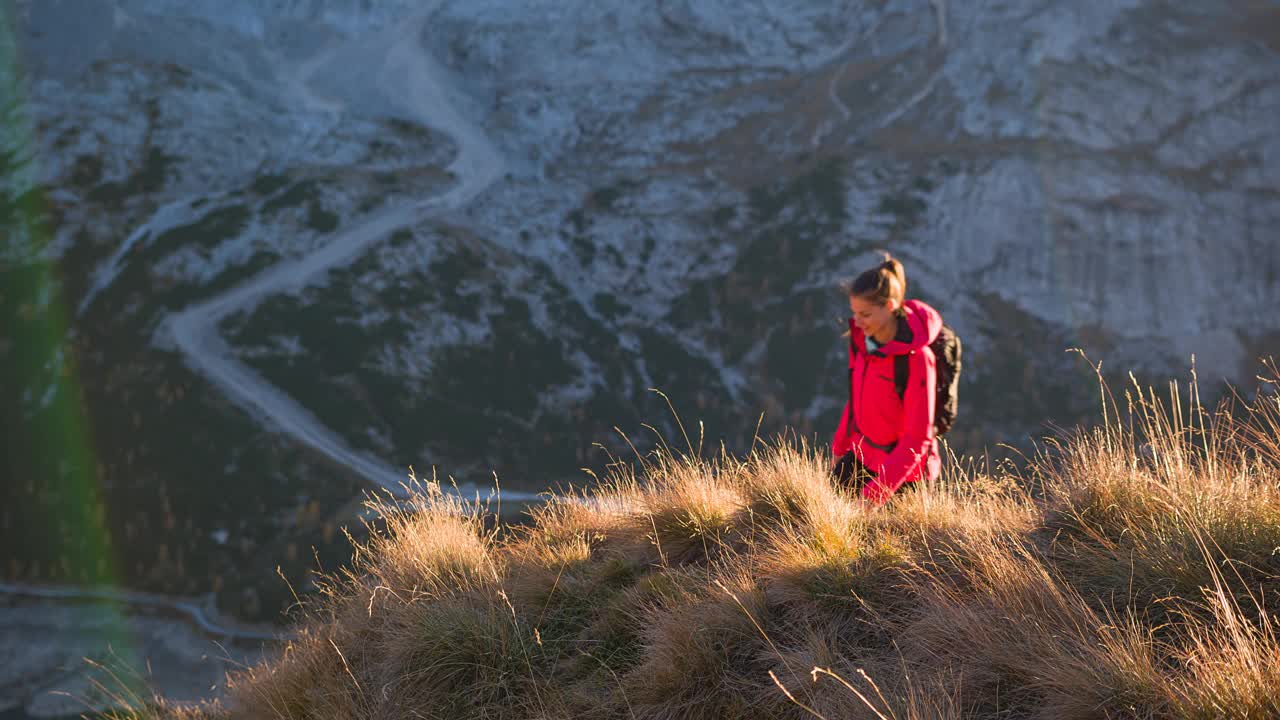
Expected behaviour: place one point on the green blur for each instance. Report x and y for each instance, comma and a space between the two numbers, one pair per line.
59, 529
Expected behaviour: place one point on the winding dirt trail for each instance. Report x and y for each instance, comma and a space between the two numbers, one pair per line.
411, 78
200, 612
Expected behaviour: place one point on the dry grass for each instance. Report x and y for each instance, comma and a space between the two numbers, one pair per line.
1130, 572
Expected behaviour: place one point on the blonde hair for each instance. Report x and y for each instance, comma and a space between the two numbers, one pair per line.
887, 281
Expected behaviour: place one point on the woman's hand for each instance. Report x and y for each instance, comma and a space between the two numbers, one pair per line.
874, 494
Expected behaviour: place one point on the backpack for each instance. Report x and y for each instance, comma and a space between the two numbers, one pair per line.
946, 350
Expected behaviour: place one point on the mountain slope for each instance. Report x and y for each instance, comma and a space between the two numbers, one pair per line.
681, 187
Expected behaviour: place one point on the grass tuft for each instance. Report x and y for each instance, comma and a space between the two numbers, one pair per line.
1128, 572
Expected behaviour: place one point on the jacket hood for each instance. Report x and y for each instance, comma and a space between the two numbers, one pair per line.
922, 327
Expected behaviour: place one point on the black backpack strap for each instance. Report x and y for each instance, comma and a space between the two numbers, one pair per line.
901, 368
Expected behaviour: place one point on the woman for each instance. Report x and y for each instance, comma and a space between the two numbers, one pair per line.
885, 439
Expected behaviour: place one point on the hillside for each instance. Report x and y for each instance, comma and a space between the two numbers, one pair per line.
269, 254
1131, 573
260, 256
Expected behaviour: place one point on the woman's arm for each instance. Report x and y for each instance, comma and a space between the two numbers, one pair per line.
842, 441
907, 461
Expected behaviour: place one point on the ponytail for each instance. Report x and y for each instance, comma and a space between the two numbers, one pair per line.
887, 281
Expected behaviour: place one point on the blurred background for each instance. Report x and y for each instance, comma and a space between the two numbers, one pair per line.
263, 256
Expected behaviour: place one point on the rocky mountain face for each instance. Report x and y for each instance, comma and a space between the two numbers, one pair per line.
302, 246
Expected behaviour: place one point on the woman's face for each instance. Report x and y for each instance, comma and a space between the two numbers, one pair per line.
870, 317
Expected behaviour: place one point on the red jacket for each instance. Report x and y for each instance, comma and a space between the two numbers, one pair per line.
892, 436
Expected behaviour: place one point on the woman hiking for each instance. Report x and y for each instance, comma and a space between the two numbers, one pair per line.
886, 437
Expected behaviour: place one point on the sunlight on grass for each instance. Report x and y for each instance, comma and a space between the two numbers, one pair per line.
1125, 573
